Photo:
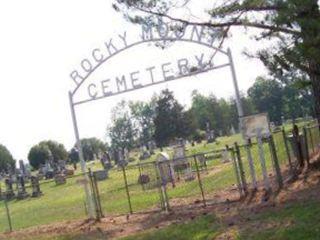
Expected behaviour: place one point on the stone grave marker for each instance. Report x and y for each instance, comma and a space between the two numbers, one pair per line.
100, 175
165, 167
9, 194
22, 193
60, 179
35, 184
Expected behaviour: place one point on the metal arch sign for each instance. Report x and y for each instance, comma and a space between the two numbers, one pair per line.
148, 35
99, 56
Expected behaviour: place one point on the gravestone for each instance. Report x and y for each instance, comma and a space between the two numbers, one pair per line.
181, 163
144, 153
165, 168
61, 166
9, 194
202, 160
22, 167
68, 172
151, 146
210, 135
36, 192
106, 161
100, 175
232, 130
22, 193
60, 179
122, 162
225, 156
179, 158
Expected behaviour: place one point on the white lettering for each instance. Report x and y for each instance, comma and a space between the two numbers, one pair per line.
105, 86
199, 35
97, 55
110, 46
146, 32
92, 95
183, 66
86, 65
165, 72
121, 82
124, 38
75, 75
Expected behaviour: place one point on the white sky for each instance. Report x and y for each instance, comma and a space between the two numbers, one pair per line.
41, 42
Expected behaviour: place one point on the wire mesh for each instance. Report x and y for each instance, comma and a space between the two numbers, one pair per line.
58, 203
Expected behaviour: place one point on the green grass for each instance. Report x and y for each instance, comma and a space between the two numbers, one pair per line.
66, 202
293, 222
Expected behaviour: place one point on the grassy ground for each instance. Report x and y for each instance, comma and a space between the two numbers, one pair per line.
66, 202
295, 222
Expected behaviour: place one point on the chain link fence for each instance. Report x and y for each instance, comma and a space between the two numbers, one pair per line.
200, 179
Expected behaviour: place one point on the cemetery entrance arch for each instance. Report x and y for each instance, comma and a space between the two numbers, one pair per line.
99, 91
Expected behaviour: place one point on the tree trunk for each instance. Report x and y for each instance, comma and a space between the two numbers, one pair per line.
315, 82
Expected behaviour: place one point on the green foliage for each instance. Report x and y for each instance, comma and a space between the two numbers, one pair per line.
38, 155
171, 121
121, 131
91, 147
269, 95
219, 113
74, 155
291, 27
45, 150
6, 159
57, 150
142, 114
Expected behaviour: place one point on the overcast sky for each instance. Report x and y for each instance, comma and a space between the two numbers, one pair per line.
42, 42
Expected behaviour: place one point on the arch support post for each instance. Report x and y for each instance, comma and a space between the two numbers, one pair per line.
82, 162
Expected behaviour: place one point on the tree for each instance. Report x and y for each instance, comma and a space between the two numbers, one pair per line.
57, 150
291, 26
74, 155
121, 131
45, 150
92, 148
280, 99
38, 155
170, 119
267, 97
143, 115
6, 159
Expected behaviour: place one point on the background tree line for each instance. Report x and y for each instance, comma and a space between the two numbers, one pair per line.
163, 118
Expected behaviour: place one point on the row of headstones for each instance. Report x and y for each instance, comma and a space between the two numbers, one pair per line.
179, 164
21, 188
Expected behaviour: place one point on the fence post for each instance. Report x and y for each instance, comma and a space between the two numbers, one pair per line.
8, 214
94, 195
242, 173
159, 186
275, 160
263, 163
297, 142
235, 166
98, 196
251, 165
305, 136
199, 180
311, 140
163, 190
127, 188
287, 148
140, 174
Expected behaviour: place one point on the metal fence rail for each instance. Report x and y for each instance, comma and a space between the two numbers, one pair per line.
199, 179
